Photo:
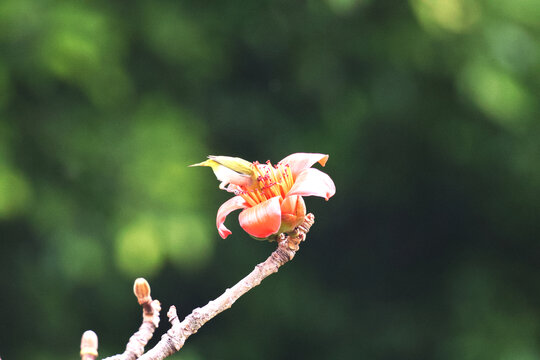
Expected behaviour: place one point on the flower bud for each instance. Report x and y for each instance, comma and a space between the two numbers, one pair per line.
293, 211
141, 288
89, 345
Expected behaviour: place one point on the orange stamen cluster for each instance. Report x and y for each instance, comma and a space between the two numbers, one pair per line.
272, 181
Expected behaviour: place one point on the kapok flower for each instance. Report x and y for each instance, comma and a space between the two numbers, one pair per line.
272, 202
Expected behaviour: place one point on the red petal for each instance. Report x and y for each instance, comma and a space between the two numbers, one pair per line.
262, 220
313, 182
301, 161
225, 209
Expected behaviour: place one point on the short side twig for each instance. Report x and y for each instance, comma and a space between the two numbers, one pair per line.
151, 309
175, 338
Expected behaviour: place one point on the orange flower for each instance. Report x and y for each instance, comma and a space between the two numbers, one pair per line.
272, 203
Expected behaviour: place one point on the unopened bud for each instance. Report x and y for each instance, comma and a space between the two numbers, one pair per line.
293, 211
141, 288
89, 344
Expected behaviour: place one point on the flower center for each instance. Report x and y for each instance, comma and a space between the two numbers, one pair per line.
272, 181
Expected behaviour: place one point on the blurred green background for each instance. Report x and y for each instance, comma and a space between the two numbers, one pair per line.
428, 109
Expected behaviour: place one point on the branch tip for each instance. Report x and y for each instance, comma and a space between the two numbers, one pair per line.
151, 309
89, 345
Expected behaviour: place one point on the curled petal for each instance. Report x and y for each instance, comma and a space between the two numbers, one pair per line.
225, 209
313, 182
262, 220
301, 161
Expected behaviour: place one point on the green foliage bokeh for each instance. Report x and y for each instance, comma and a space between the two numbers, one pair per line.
428, 108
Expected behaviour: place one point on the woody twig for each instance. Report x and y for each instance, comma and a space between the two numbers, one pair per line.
174, 339
137, 342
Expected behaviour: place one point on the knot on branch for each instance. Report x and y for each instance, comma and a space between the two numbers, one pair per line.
293, 239
174, 337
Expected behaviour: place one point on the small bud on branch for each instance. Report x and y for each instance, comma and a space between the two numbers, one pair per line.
89, 345
141, 289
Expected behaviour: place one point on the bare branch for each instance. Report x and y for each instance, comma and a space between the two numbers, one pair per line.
175, 338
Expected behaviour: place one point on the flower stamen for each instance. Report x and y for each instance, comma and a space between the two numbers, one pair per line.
273, 181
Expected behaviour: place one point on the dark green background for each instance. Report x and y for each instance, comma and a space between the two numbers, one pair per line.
429, 111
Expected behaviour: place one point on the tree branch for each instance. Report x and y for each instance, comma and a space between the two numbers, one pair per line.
174, 339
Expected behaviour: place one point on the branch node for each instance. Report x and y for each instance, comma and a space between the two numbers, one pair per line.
298, 235
173, 335
151, 312
172, 315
